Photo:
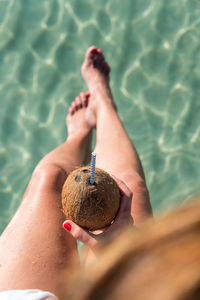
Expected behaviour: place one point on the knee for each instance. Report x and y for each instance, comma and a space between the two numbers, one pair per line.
137, 185
49, 175
133, 180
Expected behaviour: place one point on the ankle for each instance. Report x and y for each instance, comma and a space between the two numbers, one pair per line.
99, 85
104, 103
77, 136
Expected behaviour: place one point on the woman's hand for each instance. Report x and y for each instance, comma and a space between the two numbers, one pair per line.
122, 220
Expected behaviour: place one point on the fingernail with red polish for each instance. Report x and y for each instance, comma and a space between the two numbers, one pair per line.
99, 50
88, 94
67, 226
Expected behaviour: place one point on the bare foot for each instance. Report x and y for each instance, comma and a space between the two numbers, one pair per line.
77, 124
95, 71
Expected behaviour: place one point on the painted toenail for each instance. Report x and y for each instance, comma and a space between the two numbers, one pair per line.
87, 95
94, 51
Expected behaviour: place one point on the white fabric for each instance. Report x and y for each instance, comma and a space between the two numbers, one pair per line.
25, 295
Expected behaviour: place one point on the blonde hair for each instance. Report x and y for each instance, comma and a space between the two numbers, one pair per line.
160, 261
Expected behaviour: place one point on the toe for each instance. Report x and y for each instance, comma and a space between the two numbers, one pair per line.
93, 53
101, 65
73, 106
106, 69
90, 52
84, 99
71, 111
82, 95
78, 102
98, 60
87, 99
98, 57
100, 54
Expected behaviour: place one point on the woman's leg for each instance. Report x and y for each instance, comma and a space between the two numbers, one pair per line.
35, 251
114, 149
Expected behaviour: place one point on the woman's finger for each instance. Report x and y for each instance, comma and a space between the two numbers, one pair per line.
126, 197
122, 187
80, 234
125, 206
123, 215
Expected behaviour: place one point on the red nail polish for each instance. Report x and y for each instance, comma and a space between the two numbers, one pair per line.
67, 226
99, 50
94, 51
88, 95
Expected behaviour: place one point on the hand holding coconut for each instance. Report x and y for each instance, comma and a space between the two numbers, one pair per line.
122, 219
91, 200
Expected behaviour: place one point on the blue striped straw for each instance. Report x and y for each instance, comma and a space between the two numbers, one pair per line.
93, 160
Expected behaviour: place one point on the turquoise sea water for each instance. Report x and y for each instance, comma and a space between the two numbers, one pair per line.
153, 48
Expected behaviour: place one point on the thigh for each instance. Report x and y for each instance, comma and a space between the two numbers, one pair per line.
35, 251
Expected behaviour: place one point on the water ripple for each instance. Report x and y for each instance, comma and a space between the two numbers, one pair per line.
153, 48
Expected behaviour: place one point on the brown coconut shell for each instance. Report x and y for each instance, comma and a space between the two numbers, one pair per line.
90, 206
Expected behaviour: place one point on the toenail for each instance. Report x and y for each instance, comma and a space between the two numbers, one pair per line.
94, 51
87, 95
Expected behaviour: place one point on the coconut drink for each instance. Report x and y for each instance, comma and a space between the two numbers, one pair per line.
90, 205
